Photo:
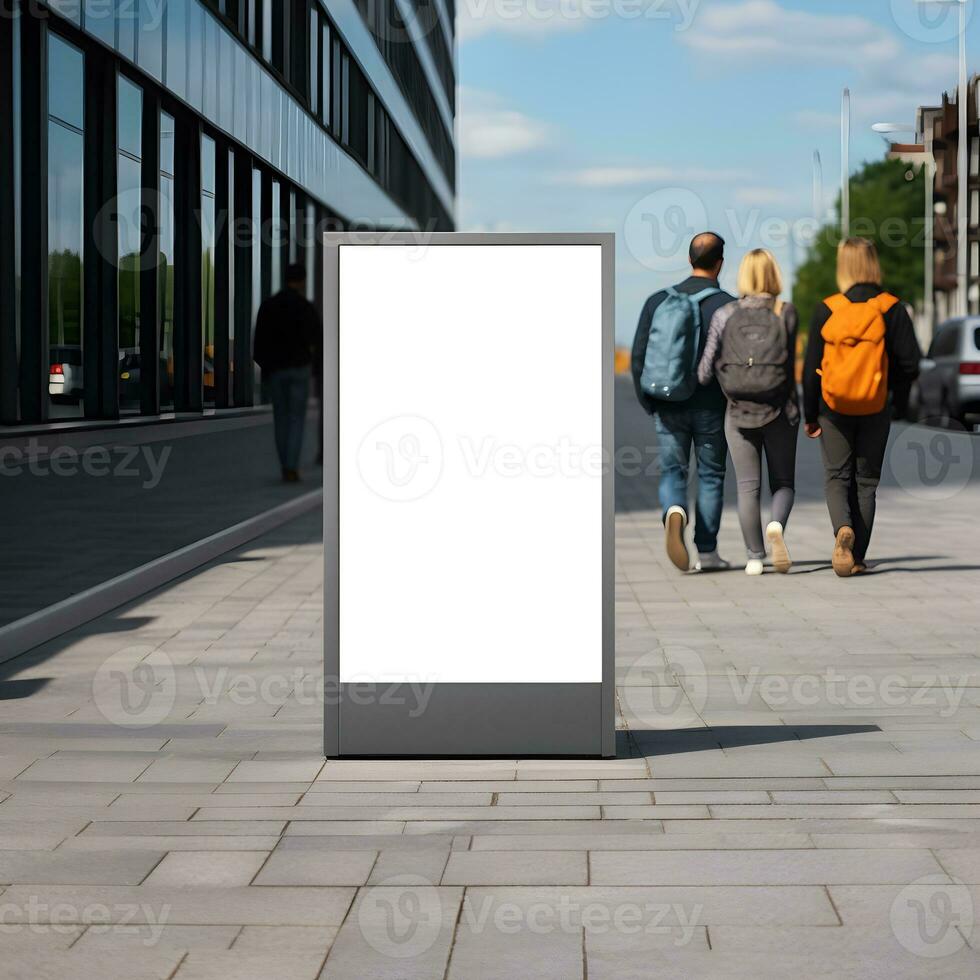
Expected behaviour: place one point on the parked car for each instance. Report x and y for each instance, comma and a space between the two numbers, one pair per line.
949, 381
129, 378
65, 374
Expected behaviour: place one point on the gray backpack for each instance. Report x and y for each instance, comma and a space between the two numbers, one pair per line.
753, 361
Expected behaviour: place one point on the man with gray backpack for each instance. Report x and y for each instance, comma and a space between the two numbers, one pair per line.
668, 347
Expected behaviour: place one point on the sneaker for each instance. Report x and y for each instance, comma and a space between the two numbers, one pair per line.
843, 560
674, 524
781, 560
755, 566
711, 562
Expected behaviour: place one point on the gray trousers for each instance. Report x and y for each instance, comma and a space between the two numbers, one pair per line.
779, 440
853, 448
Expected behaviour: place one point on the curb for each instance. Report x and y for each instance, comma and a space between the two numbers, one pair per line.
22, 635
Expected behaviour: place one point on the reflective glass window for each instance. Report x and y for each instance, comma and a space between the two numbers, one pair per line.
177, 46
195, 53
207, 263
325, 76
66, 149
100, 20
314, 62
276, 237
149, 44
66, 77
210, 100
128, 219
127, 21
165, 266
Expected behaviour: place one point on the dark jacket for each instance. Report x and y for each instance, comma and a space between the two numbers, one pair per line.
287, 332
708, 396
901, 346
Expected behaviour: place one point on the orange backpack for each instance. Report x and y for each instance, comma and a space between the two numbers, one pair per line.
855, 363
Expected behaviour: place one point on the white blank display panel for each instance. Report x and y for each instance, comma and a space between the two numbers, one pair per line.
470, 464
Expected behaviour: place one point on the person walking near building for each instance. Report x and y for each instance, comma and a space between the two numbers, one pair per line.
751, 351
287, 335
667, 348
862, 349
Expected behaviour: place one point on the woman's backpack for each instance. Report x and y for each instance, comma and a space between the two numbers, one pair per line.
854, 372
752, 363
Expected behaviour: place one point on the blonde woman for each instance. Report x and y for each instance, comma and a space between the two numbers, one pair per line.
861, 360
751, 351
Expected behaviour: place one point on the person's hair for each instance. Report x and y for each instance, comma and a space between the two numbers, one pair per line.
707, 251
759, 274
857, 261
295, 272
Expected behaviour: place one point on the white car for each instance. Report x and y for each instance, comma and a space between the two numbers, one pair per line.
949, 378
65, 374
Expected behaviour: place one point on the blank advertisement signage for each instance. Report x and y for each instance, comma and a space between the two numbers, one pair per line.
468, 495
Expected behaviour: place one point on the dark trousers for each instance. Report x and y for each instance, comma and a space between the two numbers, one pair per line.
290, 390
853, 448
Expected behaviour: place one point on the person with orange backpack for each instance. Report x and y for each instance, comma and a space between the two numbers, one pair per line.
861, 359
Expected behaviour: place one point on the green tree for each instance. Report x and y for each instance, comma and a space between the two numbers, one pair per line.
887, 206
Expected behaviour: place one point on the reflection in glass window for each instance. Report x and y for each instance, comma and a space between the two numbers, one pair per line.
66, 89
257, 246
149, 45
177, 46
195, 53
126, 28
129, 174
207, 263
227, 83
66, 147
166, 263
308, 239
325, 76
100, 21
266, 29
314, 62
276, 237
232, 238
210, 102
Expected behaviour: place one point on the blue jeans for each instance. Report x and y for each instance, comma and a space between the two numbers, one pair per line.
289, 389
677, 431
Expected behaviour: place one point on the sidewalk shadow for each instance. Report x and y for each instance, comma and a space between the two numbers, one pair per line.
16, 690
653, 742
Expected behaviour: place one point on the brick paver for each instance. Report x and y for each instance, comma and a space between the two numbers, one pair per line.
765, 818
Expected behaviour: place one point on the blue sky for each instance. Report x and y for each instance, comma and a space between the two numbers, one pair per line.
652, 117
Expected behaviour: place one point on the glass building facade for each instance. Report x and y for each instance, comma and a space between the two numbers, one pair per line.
174, 156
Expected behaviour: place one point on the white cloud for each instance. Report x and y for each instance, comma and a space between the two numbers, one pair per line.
542, 17
888, 80
490, 130
636, 176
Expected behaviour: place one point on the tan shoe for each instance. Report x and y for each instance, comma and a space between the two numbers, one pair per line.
674, 526
860, 568
843, 560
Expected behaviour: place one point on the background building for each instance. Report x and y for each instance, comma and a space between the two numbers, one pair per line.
162, 160
938, 136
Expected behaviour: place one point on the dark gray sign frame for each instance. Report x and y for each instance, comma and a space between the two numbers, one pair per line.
462, 720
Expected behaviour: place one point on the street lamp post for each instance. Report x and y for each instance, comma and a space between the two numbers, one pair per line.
963, 167
845, 155
818, 211
929, 272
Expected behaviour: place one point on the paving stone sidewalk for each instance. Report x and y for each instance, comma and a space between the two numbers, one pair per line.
797, 791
